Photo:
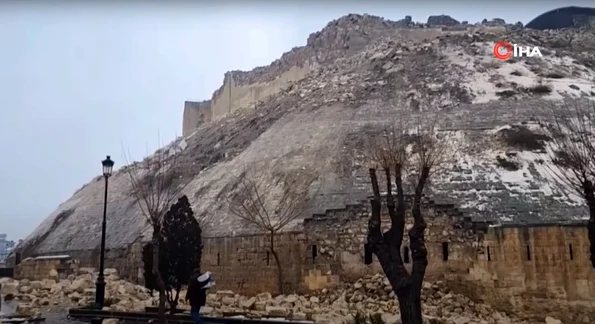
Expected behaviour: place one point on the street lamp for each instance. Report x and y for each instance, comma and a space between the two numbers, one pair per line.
108, 165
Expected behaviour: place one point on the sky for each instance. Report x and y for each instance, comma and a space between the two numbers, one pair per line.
78, 82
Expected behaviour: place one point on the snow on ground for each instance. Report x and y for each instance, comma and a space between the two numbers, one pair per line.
480, 183
489, 76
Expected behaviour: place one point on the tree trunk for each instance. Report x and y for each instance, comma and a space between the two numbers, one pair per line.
160, 284
277, 263
387, 246
410, 307
590, 198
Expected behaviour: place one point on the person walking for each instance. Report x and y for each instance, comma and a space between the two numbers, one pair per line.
197, 293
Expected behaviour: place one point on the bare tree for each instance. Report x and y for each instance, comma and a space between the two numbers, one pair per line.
401, 154
270, 200
571, 128
156, 184
570, 36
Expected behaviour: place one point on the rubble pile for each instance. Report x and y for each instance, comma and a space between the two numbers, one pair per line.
369, 295
75, 291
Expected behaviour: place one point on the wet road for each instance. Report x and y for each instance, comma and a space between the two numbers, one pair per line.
52, 314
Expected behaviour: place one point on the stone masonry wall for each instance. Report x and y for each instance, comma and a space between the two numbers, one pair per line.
39, 268
331, 250
340, 236
195, 114
244, 265
549, 262
127, 260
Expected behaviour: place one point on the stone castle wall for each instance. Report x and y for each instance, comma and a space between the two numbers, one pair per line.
195, 114
489, 263
340, 236
243, 264
340, 38
543, 262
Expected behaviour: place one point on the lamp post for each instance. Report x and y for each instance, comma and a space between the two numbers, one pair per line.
108, 165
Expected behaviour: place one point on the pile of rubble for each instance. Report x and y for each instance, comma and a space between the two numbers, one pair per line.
75, 291
368, 296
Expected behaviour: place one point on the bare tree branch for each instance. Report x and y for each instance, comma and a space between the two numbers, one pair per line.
417, 152
156, 184
571, 128
270, 200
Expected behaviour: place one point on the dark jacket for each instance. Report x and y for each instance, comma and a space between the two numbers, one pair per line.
197, 294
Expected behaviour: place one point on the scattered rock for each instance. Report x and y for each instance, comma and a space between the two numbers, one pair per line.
111, 321
28, 310
368, 296
76, 291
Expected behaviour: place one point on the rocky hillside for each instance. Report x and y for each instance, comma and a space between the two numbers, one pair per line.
317, 124
341, 38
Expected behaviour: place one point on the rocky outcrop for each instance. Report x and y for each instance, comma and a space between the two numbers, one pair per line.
442, 20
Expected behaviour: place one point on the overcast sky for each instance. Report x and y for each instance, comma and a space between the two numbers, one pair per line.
78, 82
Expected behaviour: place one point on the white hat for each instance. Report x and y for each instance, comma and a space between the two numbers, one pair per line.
207, 276
204, 277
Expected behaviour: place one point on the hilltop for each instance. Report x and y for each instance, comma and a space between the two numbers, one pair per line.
566, 17
362, 71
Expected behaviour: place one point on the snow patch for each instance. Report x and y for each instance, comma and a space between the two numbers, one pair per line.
488, 76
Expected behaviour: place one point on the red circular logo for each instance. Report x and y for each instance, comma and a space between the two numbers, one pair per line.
505, 47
